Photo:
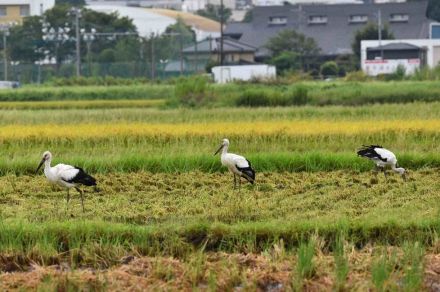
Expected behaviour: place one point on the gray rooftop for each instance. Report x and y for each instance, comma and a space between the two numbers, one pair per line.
336, 34
395, 46
213, 45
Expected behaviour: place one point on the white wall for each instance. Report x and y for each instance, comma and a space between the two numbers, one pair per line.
432, 47
224, 74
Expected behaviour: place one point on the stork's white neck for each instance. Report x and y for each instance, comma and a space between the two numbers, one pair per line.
225, 149
47, 164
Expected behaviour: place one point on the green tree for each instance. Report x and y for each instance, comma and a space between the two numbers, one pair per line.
329, 68
286, 61
433, 11
289, 40
369, 32
27, 42
248, 17
213, 12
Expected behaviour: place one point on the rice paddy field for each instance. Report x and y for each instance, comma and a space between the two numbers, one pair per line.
166, 216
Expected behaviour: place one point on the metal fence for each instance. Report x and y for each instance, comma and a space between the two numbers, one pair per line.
33, 73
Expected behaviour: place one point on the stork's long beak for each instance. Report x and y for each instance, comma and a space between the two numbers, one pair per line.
218, 150
39, 165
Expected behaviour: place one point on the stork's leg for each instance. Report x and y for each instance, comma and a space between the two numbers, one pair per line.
67, 199
376, 170
385, 173
235, 182
82, 197
239, 183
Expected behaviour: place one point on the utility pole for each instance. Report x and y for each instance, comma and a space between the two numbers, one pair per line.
77, 13
181, 53
78, 44
5, 54
221, 32
379, 28
152, 58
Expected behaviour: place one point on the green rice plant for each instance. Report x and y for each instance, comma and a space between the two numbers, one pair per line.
382, 270
305, 265
341, 263
413, 259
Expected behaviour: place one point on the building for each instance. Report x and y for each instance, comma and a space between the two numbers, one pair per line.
383, 57
155, 21
165, 4
14, 10
234, 52
332, 26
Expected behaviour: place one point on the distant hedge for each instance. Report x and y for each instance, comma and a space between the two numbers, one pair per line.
87, 93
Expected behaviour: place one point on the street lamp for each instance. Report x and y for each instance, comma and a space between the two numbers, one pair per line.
88, 38
57, 35
46, 60
164, 64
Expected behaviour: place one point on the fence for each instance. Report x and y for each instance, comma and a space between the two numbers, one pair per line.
32, 73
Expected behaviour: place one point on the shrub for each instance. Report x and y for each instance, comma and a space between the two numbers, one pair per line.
329, 68
192, 91
298, 95
253, 98
358, 76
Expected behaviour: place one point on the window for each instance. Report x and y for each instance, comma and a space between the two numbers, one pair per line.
2, 11
24, 10
317, 19
277, 20
399, 17
358, 19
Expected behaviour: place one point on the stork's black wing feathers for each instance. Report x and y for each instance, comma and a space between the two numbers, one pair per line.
248, 172
82, 178
369, 152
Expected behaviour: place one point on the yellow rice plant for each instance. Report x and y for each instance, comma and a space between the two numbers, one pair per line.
288, 128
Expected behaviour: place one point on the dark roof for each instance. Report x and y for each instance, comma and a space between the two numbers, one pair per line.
334, 37
395, 46
213, 45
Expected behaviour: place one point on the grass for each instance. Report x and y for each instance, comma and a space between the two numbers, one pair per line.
168, 206
305, 265
86, 93
79, 104
274, 139
318, 93
382, 270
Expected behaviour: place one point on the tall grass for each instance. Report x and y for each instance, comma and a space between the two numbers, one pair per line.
384, 265
305, 265
413, 258
86, 93
313, 93
341, 263
97, 161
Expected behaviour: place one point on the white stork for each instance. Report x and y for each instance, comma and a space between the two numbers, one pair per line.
383, 158
66, 176
236, 164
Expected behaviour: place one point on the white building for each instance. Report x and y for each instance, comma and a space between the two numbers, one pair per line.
281, 2
384, 57
155, 21
225, 74
15, 10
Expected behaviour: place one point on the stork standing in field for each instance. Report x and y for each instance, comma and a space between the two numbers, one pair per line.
383, 158
66, 176
236, 164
